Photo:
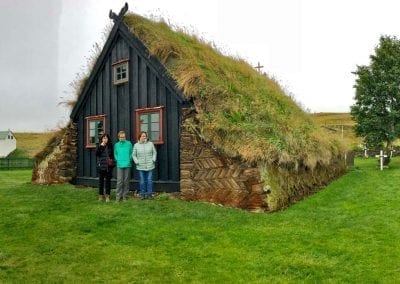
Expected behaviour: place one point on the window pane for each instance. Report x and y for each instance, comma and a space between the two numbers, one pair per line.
123, 71
92, 125
144, 127
155, 117
144, 118
155, 136
100, 128
155, 126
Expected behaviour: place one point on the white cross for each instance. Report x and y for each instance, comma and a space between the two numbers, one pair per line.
365, 152
381, 156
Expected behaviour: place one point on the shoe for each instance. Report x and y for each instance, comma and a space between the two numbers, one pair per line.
100, 197
107, 198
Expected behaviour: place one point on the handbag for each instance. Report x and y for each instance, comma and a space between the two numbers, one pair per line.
111, 163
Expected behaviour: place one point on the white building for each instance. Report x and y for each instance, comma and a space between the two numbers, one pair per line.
8, 143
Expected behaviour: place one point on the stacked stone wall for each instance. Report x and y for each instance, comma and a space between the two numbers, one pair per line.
59, 164
206, 175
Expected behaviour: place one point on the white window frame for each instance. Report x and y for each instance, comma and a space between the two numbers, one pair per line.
120, 68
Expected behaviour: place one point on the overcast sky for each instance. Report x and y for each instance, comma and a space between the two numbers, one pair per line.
311, 47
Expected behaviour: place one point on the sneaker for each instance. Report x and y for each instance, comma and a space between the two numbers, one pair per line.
107, 198
100, 197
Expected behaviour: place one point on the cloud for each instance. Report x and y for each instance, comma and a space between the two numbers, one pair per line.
29, 64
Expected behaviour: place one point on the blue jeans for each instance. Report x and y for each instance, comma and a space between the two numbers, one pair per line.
146, 183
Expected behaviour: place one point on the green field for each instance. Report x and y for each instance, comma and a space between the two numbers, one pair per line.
346, 233
341, 125
30, 143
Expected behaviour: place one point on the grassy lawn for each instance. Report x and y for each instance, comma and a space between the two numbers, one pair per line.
349, 232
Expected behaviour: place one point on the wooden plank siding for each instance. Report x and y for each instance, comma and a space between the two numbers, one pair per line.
146, 88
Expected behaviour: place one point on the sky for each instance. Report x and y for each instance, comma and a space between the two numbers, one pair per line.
311, 47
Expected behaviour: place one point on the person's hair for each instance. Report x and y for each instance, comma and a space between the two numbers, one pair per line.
120, 133
105, 135
140, 134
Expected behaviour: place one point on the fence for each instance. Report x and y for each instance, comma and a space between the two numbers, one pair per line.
16, 163
373, 153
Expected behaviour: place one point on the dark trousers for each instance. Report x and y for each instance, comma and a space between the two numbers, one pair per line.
104, 178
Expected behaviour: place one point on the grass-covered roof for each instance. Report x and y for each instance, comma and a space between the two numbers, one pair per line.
241, 112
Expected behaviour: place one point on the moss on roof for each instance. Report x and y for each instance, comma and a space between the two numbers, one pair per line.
241, 112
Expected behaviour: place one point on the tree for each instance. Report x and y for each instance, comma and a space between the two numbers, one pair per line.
377, 107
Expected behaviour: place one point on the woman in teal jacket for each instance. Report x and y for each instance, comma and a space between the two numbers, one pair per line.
122, 154
144, 155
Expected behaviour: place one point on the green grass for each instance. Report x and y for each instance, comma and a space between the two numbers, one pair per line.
348, 232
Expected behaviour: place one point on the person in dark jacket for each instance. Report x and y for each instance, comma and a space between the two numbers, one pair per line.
104, 153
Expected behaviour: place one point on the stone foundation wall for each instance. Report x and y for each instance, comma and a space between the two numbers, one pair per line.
59, 163
208, 176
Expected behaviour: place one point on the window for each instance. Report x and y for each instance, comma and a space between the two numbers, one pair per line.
151, 121
95, 126
120, 72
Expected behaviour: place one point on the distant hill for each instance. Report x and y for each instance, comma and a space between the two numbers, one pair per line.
340, 124
333, 118
30, 143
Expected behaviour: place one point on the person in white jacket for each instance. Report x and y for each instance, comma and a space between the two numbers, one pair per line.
144, 156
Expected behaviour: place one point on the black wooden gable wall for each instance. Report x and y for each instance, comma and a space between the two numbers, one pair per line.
147, 87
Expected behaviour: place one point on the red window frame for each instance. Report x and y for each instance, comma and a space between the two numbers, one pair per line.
114, 71
101, 117
160, 111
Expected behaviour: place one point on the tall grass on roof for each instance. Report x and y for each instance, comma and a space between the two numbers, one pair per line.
243, 113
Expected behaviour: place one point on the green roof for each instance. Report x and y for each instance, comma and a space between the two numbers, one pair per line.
4, 134
241, 112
